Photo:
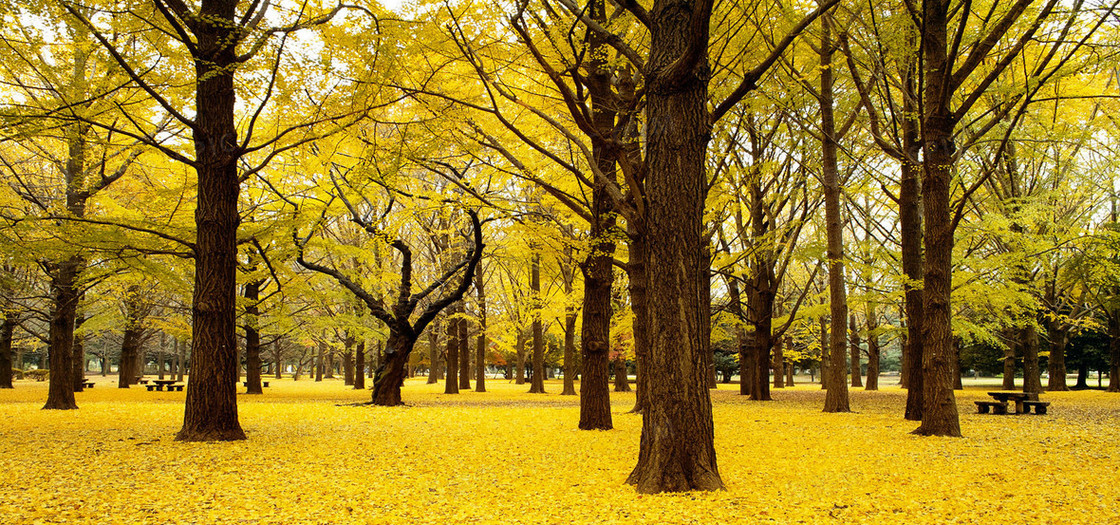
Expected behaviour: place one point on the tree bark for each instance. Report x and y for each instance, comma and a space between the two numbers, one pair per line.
537, 381
480, 344
252, 339
464, 351
360, 366
451, 351
639, 280
621, 381
855, 350
1032, 377
676, 450
434, 355
939, 409
1113, 351
519, 375
392, 370
7, 331
873, 351
836, 400
1056, 364
211, 401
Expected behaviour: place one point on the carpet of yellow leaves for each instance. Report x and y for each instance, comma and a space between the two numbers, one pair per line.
506, 456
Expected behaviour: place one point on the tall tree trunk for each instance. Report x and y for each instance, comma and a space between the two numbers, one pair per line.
211, 404
464, 351
939, 409
127, 372
434, 355
252, 338
1056, 364
1010, 355
537, 386
519, 376
638, 288
825, 342
79, 351
1032, 377
451, 350
360, 365
480, 345
676, 450
348, 359
836, 400
1113, 351
873, 351
779, 365
910, 237
320, 357
7, 330
570, 365
855, 350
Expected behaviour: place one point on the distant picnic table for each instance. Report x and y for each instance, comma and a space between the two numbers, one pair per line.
1024, 401
171, 384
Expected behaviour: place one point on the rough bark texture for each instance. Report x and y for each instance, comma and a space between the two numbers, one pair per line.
676, 451
621, 382
211, 404
392, 371
855, 350
127, 371
636, 271
836, 400
939, 408
537, 386
1032, 377
910, 234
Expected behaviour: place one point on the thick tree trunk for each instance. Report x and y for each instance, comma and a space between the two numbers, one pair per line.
836, 400
939, 409
1056, 364
636, 271
252, 339
1009, 356
676, 451
621, 382
910, 234
211, 404
537, 386
7, 330
60, 393
391, 372
1032, 377
127, 372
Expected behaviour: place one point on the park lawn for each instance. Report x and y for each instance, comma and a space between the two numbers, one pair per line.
506, 456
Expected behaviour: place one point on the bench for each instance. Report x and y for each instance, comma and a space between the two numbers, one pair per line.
1039, 407
264, 384
1000, 407
154, 387
177, 388
142, 381
87, 384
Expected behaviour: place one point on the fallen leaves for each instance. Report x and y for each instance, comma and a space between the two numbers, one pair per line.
506, 456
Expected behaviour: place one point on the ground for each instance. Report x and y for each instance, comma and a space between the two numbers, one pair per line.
506, 456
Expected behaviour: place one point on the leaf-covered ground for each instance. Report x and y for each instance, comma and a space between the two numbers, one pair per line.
506, 456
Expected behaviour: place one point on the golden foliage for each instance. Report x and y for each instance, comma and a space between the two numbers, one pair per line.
509, 457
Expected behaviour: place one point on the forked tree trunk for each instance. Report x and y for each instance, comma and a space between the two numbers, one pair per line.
676, 450
392, 371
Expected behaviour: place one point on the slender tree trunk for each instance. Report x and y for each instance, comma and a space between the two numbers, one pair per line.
252, 339
537, 386
825, 342
855, 350
910, 236
1113, 351
434, 355
464, 352
480, 345
519, 375
779, 365
451, 350
873, 351
1010, 355
836, 400
320, 357
360, 366
636, 271
211, 401
676, 450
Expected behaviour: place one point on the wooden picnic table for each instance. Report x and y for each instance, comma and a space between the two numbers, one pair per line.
171, 384
1023, 403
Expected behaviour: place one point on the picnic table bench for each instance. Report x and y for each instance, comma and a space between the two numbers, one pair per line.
264, 384
87, 384
1024, 401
